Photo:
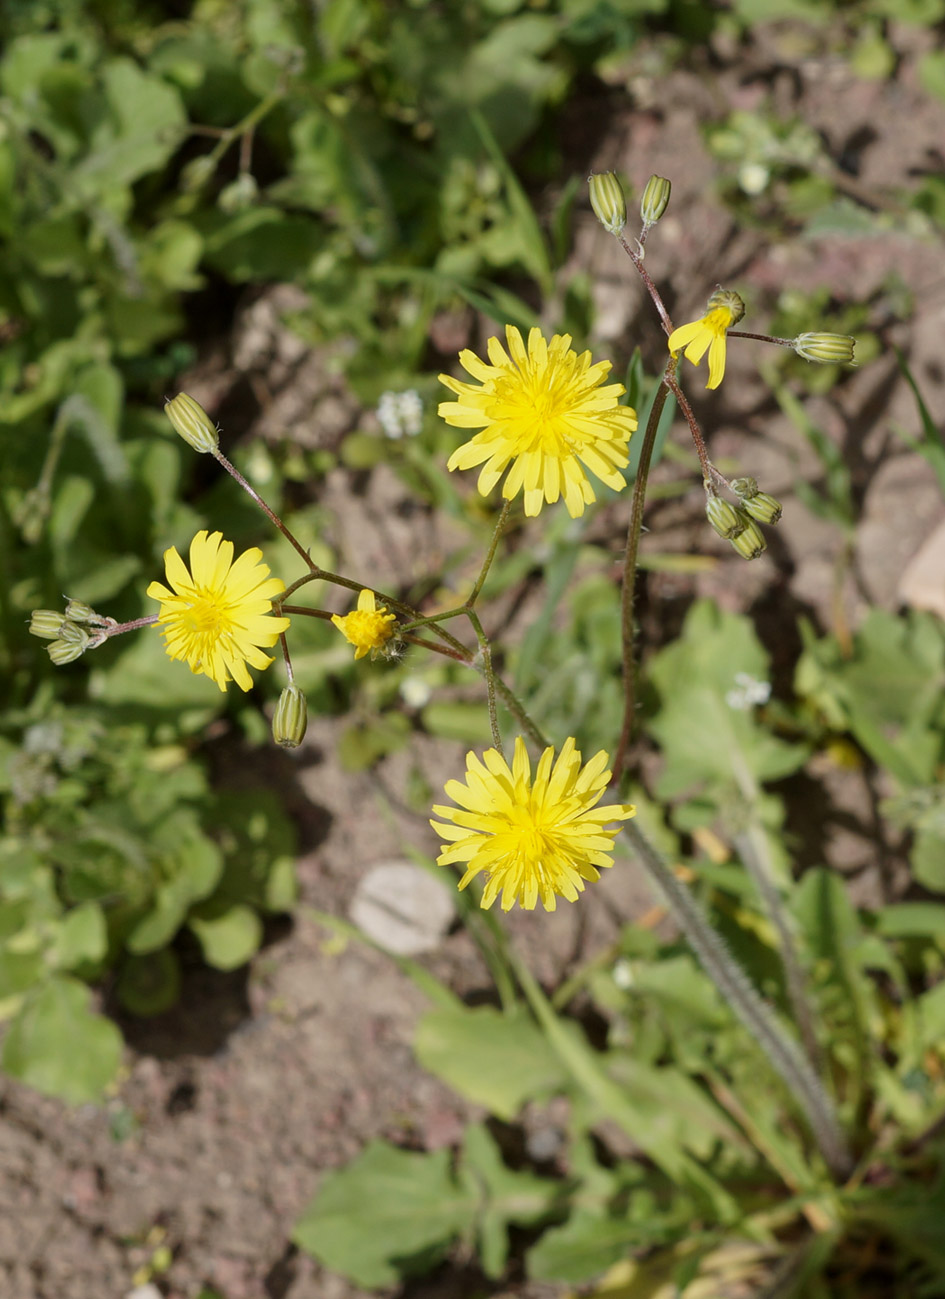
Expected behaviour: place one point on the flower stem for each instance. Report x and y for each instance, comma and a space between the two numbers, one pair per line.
761, 338
235, 474
650, 286
486, 651
490, 555
784, 1054
707, 468
630, 565
752, 847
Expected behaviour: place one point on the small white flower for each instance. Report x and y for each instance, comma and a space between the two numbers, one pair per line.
400, 413
748, 692
622, 974
753, 178
415, 692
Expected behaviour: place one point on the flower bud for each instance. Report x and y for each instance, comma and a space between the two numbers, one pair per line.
45, 623
730, 299
744, 488
76, 611
197, 172
828, 349
763, 507
750, 542
655, 200
73, 634
192, 422
724, 517
608, 201
62, 651
290, 720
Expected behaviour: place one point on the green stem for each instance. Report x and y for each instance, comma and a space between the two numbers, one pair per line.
785, 1056
517, 709
490, 555
271, 515
752, 847
630, 566
486, 651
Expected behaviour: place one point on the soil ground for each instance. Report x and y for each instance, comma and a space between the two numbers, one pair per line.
234, 1106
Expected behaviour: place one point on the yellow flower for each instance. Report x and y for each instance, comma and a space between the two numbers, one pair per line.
368, 627
542, 411
533, 838
217, 615
724, 309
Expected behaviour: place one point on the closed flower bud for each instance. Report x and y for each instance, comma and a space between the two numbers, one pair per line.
655, 200
45, 623
73, 634
290, 720
76, 611
196, 173
730, 299
750, 542
828, 349
608, 201
192, 422
744, 488
724, 517
63, 651
763, 507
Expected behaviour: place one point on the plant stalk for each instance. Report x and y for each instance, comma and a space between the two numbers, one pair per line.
785, 1056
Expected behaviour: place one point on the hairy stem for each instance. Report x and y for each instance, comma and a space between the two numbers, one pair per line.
785, 1056
752, 848
629, 583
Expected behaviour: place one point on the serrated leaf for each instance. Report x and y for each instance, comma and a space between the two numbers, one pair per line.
387, 1215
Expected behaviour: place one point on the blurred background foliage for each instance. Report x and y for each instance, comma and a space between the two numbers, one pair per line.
158, 161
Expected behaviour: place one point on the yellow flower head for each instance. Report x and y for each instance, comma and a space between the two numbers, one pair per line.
368, 627
533, 838
724, 309
543, 411
217, 615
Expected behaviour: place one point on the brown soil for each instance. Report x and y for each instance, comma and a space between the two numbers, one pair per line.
234, 1106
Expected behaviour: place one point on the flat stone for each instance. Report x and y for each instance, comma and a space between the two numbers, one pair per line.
402, 907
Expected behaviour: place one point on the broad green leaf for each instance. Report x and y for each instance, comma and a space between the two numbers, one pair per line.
59, 1046
510, 1197
81, 937
495, 1060
588, 1243
928, 860
230, 939
706, 736
387, 1215
140, 131
912, 920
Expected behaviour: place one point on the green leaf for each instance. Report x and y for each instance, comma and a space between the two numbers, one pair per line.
928, 860
81, 938
466, 723
511, 1197
149, 985
912, 920
930, 1010
59, 1046
230, 939
587, 1244
387, 1215
707, 740
141, 130
495, 1060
